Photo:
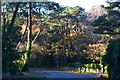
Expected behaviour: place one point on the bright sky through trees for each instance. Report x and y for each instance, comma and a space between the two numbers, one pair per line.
87, 4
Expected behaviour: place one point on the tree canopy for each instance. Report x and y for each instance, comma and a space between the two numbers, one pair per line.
45, 34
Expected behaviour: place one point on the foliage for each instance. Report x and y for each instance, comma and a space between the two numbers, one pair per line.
8, 48
112, 58
14, 16
95, 12
85, 66
109, 23
59, 35
95, 51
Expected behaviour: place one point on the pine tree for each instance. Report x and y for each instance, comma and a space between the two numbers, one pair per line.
110, 24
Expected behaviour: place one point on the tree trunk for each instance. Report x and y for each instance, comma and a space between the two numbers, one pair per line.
28, 49
14, 15
25, 29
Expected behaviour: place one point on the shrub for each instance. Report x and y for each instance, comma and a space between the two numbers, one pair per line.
86, 65
78, 64
13, 69
105, 68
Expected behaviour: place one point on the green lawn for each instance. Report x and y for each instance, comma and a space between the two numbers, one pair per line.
102, 75
37, 72
82, 72
31, 74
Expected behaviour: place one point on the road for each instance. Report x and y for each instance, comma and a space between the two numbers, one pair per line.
61, 74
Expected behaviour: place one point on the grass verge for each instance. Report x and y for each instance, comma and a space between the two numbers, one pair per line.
89, 73
31, 74
37, 72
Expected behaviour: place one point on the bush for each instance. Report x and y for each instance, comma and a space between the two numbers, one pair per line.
98, 66
78, 64
75, 65
5, 63
112, 58
86, 65
105, 68
13, 69
94, 66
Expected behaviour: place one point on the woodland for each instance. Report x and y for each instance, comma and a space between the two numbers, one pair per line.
45, 34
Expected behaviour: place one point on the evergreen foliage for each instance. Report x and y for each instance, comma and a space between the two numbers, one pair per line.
110, 24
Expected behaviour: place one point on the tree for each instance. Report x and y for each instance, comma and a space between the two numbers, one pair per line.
110, 24
9, 42
68, 35
13, 17
28, 49
95, 12
112, 58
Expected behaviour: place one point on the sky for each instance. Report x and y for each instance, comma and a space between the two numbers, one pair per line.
87, 4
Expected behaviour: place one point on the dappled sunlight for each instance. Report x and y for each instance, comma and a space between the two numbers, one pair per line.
47, 39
